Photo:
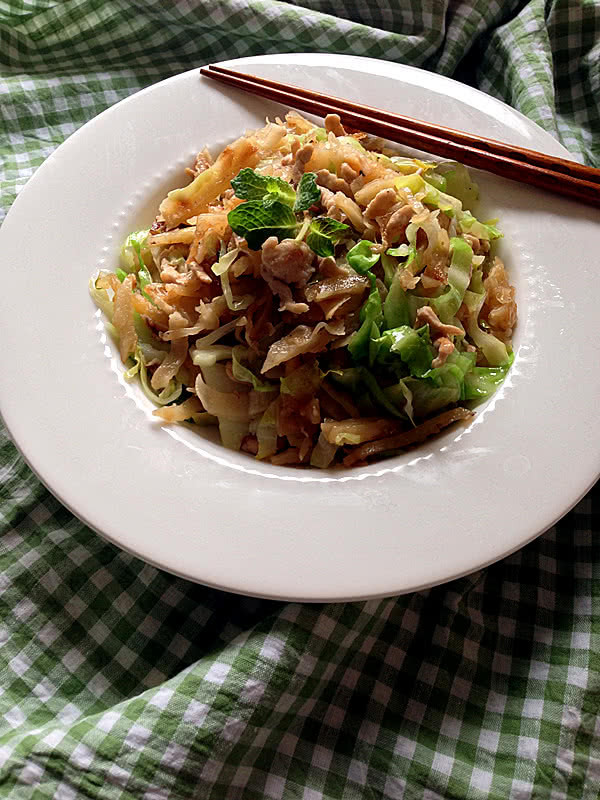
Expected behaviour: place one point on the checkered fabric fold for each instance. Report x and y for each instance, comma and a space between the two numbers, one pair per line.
120, 682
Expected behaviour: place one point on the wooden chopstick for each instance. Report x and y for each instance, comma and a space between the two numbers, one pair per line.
557, 175
534, 157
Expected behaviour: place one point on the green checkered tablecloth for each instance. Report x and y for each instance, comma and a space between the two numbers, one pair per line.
120, 681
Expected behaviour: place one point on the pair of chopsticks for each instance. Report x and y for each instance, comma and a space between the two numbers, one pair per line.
557, 175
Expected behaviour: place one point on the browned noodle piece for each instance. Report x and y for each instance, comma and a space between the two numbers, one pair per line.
289, 456
429, 428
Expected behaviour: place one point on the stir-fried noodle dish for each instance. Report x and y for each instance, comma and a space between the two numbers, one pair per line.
321, 299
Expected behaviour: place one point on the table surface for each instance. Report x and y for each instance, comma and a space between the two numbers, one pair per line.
118, 680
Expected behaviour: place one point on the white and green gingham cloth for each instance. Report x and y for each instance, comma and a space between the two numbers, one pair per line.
121, 682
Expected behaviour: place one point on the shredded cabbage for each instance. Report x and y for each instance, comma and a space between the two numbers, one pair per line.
493, 349
102, 300
219, 333
482, 382
208, 356
232, 432
412, 346
451, 206
482, 230
457, 182
169, 394
266, 431
221, 268
323, 454
459, 275
245, 375
135, 252
304, 380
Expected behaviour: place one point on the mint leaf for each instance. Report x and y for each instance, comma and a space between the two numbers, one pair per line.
361, 258
250, 185
308, 192
324, 233
256, 223
271, 198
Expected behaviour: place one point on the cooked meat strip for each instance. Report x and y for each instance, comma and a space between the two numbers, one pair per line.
331, 181
333, 124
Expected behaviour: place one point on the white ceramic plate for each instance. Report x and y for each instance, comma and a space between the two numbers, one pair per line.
178, 499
